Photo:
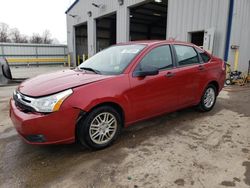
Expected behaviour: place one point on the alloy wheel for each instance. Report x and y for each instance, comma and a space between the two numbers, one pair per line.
209, 97
103, 128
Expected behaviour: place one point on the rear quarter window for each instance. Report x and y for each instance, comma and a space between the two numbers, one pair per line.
204, 56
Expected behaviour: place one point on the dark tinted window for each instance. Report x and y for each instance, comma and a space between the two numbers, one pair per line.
186, 55
204, 56
159, 57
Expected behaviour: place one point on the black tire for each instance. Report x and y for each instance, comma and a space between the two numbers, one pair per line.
202, 106
228, 82
5, 68
83, 128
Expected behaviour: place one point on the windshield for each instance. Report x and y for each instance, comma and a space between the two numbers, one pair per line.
112, 60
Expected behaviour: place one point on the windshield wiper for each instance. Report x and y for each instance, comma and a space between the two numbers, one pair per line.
90, 69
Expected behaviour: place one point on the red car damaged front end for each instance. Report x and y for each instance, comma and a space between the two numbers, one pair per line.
38, 128
41, 108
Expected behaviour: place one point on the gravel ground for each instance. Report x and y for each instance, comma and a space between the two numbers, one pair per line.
181, 149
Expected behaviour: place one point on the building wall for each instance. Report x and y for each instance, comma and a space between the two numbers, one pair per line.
184, 16
241, 33
111, 6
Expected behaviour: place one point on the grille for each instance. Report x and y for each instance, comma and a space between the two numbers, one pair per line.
21, 103
36, 138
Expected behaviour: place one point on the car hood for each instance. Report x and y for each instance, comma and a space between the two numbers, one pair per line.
58, 81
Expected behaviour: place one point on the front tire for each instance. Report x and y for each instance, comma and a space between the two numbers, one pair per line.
208, 98
100, 128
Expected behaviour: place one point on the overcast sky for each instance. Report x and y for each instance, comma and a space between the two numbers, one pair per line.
35, 16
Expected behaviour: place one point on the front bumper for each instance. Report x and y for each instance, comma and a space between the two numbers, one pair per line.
42, 129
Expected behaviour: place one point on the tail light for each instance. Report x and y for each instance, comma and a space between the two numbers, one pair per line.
224, 65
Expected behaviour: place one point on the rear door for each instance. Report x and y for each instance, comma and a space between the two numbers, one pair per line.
213, 68
188, 70
152, 95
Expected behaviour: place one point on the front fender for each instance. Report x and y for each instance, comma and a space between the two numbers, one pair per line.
107, 91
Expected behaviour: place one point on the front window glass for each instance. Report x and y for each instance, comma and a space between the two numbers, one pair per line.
159, 57
112, 60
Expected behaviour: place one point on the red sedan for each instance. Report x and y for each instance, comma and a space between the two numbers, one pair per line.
113, 89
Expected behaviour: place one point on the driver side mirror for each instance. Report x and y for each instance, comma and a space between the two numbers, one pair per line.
147, 71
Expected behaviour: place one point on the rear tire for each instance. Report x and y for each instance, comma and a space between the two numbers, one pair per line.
100, 128
228, 82
208, 99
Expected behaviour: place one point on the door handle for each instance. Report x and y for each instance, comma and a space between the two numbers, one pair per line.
201, 67
169, 74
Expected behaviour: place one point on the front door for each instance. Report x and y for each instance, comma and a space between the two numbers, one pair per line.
153, 95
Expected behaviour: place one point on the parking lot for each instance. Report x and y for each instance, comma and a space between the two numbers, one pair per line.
182, 149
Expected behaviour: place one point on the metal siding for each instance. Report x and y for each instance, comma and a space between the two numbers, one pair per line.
51, 50
183, 16
122, 33
199, 16
241, 33
191, 16
91, 37
111, 6
214, 14
32, 50
184, 13
194, 22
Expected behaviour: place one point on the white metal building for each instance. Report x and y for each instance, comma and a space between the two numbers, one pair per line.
217, 25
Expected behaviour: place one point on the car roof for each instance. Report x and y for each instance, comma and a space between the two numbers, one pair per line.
149, 43
154, 42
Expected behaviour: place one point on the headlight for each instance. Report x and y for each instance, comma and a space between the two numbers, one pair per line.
50, 103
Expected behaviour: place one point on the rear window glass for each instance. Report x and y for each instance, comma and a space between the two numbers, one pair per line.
186, 55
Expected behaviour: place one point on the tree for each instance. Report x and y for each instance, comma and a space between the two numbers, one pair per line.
36, 39
16, 36
4, 32
24, 39
55, 41
47, 37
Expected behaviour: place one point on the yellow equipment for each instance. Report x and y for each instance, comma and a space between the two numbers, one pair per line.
248, 72
235, 77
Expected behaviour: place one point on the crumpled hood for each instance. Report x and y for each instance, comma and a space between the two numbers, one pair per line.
58, 81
